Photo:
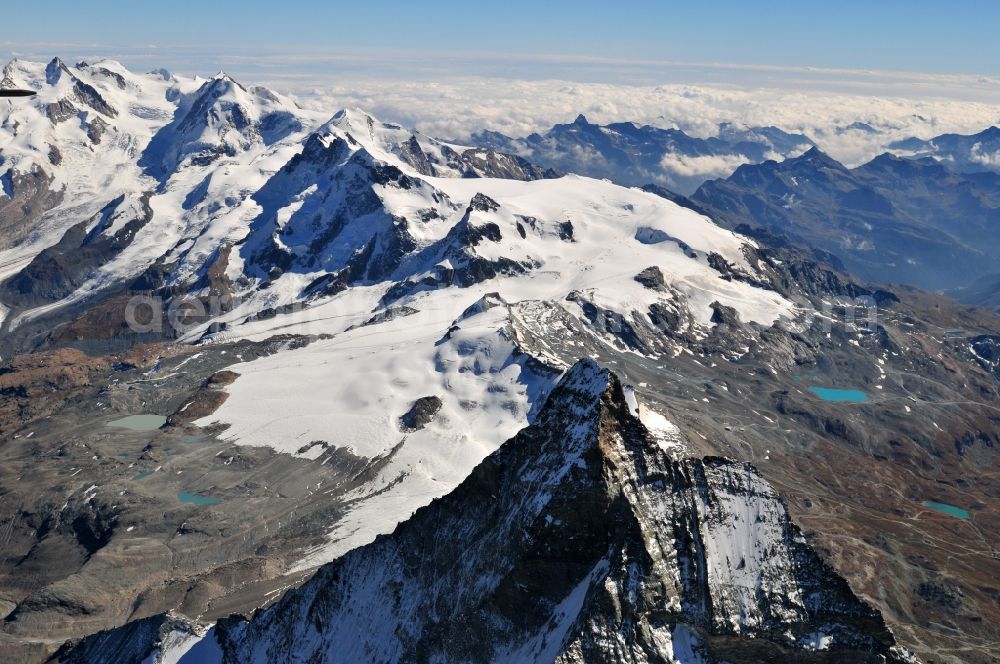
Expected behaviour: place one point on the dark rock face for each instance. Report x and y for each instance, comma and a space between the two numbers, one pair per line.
493, 164
483, 203
60, 111
58, 270
723, 315
470, 163
891, 220
986, 349
566, 231
55, 156
651, 278
133, 643
89, 96
420, 414
580, 540
96, 130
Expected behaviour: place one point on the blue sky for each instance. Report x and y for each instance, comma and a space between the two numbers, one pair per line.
516, 38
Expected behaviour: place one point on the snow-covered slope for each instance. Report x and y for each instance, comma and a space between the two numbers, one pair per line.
180, 142
579, 540
82, 136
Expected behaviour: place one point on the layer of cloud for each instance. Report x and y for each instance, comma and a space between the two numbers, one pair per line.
704, 167
986, 158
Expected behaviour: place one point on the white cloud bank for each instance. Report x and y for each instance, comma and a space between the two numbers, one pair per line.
704, 167
979, 156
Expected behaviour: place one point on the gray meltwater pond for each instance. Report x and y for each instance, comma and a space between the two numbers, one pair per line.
140, 422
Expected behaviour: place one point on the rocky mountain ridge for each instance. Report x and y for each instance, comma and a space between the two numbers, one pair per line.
580, 539
634, 155
892, 220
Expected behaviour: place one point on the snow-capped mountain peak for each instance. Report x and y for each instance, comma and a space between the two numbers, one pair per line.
221, 118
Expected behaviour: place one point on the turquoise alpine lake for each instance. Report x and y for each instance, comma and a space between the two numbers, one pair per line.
140, 422
195, 499
950, 510
834, 394
143, 475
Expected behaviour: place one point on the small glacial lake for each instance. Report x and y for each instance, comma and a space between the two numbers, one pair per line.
835, 394
143, 475
140, 422
950, 510
195, 499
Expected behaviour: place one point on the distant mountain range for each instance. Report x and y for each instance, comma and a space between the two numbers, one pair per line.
897, 220
963, 153
984, 292
633, 155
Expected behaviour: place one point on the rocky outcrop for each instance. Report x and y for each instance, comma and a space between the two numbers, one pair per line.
470, 162
985, 349
205, 400
420, 413
29, 195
